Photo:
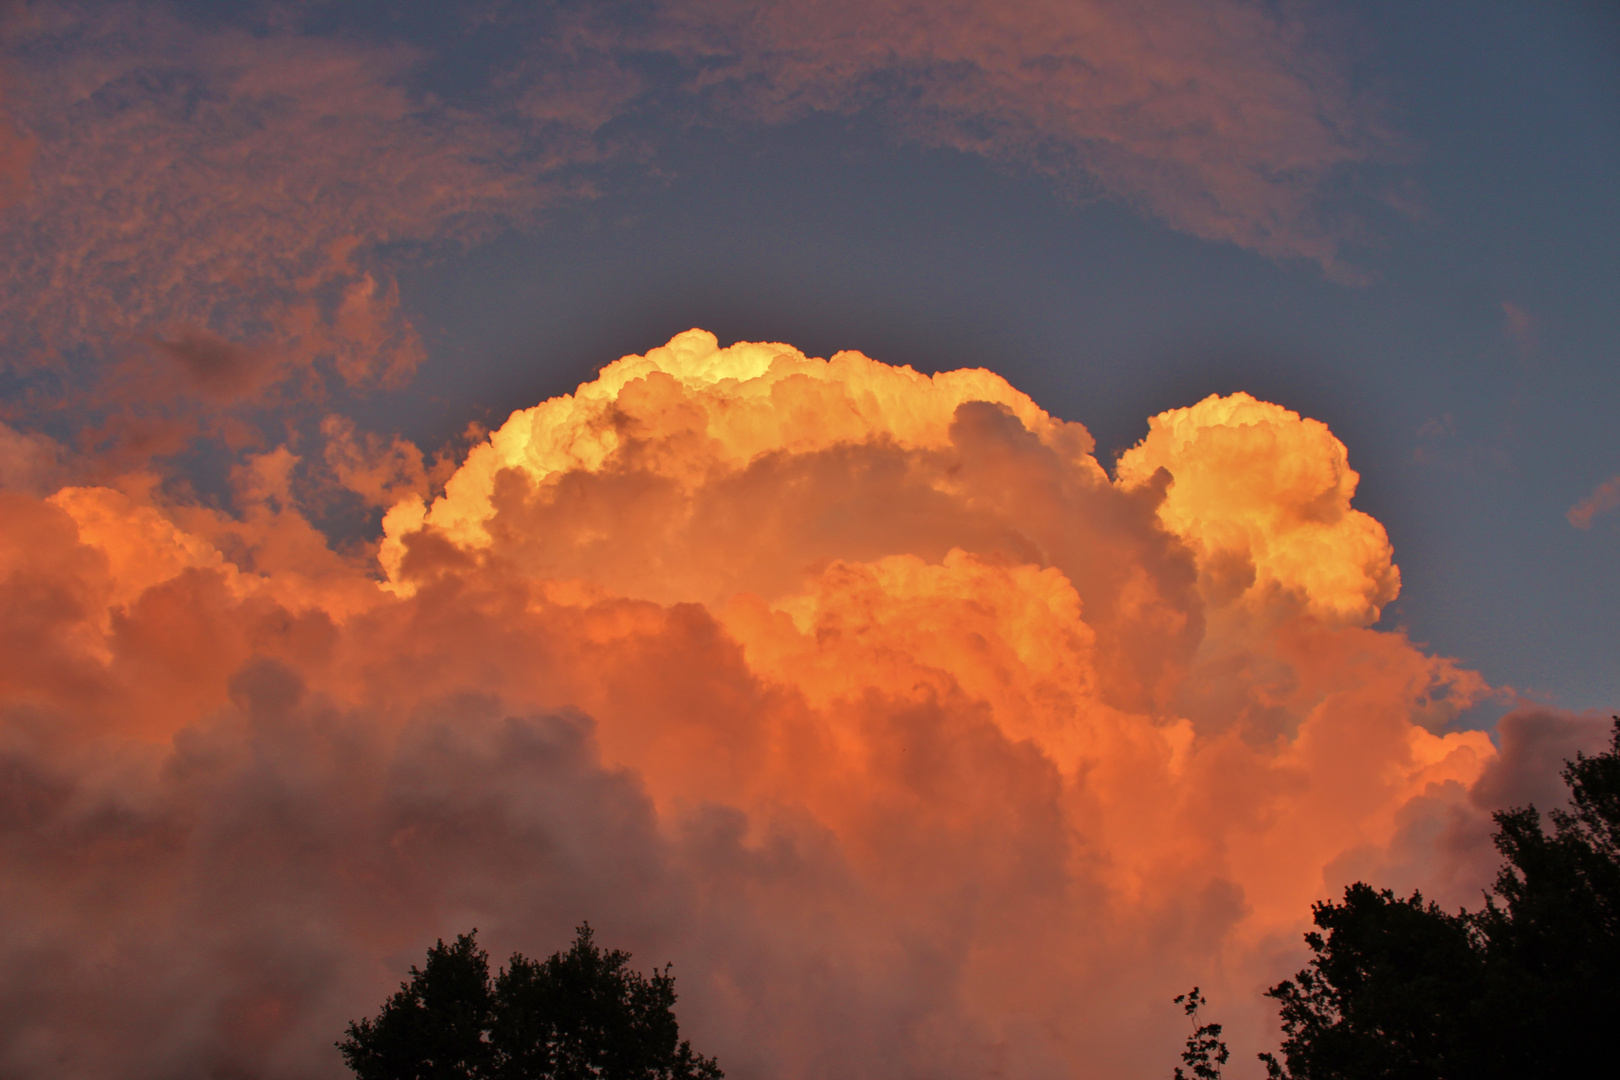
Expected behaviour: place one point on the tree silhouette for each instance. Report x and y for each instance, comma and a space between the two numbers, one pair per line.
585, 1014
1397, 989
1528, 987
433, 1028
1205, 1053
1390, 992
576, 1015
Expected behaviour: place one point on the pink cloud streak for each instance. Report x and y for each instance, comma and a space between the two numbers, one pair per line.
1604, 498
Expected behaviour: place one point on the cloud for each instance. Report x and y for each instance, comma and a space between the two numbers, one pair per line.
223, 191
1443, 842
29, 462
269, 841
1536, 740
1264, 496
207, 218
1604, 498
16, 155
870, 698
257, 187
1519, 325
381, 471
1228, 121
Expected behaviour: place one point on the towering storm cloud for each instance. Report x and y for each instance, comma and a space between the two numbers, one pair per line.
920, 741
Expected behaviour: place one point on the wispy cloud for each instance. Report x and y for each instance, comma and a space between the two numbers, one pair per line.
196, 182
208, 217
198, 179
1604, 498
1225, 120
16, 156
1519, 325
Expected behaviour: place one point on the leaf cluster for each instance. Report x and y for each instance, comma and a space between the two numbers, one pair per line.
580, 1015
1206, 1052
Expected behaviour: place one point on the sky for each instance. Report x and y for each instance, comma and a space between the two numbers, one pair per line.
951, 522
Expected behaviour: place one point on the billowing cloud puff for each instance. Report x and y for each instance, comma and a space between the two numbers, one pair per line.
1263, 498
1535, 742
689, 414
919, 742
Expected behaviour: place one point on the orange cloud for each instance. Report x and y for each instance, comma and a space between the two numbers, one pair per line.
868, 697
1263, 497
1604, 497
382, 472
29, 462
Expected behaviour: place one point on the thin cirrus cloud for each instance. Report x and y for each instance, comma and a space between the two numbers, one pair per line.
257, 185
1227, 120
868, 697
211, 199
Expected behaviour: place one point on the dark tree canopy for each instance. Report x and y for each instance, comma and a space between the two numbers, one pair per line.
433, 1028
580, 1015
1527, 987
1390, 992
584, 1014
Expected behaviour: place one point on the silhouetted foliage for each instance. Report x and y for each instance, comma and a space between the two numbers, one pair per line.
433, 1028
579, 1015
1524, 988
1390, 991
1553, 945
1205, 1053
584, 1013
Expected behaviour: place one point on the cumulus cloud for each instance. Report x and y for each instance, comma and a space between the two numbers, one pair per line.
1536, 740
313, 827
1443, 845
919, 741
381, 471
1263, 496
